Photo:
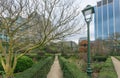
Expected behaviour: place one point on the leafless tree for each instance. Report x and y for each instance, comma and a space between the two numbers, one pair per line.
114, 41
56, 19
36, 21
11, 25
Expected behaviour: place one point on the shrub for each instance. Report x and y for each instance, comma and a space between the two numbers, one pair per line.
99, 58
118, 57
38, 70
23, 63
35, 56
97, 66
70, 70
1, 68
67, 56
108, 70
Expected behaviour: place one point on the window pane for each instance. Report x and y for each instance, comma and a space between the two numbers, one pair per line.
104, 2
111, 28
110, 1
98, 3
117, 14
105, 25
99, 23
95, 22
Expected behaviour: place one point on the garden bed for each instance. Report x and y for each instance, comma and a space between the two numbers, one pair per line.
70, 70
108, 70
39, 70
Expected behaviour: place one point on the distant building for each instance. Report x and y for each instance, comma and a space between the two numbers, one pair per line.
82, 38
107, 18
83, 45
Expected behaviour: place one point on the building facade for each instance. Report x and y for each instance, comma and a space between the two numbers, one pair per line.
107, 18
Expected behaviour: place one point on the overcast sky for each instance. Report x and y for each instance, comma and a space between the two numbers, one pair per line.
83, 4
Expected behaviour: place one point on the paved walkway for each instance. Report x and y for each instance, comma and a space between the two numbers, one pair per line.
55, 71
117, 65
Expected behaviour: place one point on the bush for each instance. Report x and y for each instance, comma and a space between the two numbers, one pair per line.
39, 70
97, 66
23, 63
118, 57
1, 68
35, 56
67, 56
70, 70
99, 58
108, 70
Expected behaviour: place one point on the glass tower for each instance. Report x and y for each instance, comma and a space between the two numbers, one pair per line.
107, 18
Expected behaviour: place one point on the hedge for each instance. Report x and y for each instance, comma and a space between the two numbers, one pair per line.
108, 70
99, 58
23, 63
70, 70
117, 57
39, 70
97, 66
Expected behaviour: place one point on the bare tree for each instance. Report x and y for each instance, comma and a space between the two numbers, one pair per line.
41, 21
11, 12
114, 41
56, 19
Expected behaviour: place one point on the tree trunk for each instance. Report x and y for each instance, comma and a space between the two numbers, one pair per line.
9, 74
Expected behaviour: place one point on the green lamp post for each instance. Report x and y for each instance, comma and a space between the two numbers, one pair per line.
88, 12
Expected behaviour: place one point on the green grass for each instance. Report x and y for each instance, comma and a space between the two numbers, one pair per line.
108, 70
70, 70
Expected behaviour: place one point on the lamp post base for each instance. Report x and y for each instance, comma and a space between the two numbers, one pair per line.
89, 72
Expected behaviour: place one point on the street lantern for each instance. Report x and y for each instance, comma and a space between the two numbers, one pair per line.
88, 12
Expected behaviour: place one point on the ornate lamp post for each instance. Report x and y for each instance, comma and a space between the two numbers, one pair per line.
88, 12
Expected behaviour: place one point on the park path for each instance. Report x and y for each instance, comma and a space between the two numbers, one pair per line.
116, 65
55, 71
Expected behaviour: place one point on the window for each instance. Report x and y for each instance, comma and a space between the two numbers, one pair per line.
117, 15
111, 26
110, 1
104, 2
99, 23
105, 24
99, 4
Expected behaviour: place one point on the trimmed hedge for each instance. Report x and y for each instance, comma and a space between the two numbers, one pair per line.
23, 63
108, 70
70, 70
117, 57
99, 58
39, 70
97, 66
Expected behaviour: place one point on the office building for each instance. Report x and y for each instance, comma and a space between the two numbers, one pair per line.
107, 18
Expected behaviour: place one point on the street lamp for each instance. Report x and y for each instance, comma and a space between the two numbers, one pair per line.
87, 12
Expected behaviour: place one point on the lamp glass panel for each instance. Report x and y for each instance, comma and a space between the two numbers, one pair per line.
88, 14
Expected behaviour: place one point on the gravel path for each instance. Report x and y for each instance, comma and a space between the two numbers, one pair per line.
117, 65
55, 71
